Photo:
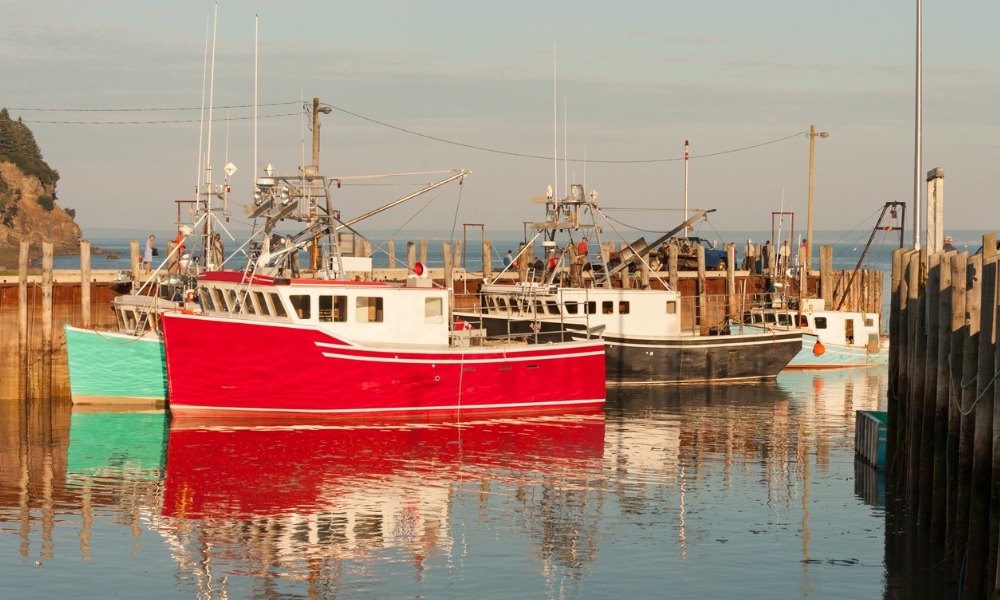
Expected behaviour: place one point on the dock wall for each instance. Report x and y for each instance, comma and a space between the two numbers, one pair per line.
943, 453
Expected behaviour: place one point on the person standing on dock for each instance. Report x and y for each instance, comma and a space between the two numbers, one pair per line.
765, 257
948, 245
508, 260
150, 251
783, 255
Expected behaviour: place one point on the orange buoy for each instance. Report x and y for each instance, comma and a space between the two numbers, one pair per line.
819, 349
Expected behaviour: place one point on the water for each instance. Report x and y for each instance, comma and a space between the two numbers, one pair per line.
680, 492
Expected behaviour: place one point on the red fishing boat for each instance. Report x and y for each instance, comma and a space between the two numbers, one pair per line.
336, 343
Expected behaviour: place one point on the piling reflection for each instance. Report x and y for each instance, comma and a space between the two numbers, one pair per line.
309, 501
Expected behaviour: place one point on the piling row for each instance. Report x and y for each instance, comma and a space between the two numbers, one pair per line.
943, 452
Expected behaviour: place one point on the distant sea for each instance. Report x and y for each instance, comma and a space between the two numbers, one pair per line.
848, 246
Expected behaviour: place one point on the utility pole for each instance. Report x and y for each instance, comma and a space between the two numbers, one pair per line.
809, 215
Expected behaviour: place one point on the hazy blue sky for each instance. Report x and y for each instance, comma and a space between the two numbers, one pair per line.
636, 79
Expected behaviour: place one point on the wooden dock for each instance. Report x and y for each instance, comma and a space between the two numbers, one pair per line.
34, 307
943, 438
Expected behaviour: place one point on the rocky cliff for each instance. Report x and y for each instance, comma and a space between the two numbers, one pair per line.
28, 212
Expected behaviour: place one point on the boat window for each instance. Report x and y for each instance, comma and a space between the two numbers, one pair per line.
326, 310
572, 308
433, 310
820, 322
795, 319
262, 302
591, 307
129, 320
279, 308
234, 304
849, 332
553, 307
206, 299
515, 306
769, 317
623, 308
219, 302
369, 309
248, 302
539, 307
501, 302
608, 307
300, 306
672, 307
805, 321
782, 318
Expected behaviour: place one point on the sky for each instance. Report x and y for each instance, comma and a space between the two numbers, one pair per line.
117, 95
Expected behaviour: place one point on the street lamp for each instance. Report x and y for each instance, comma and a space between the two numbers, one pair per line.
809, 217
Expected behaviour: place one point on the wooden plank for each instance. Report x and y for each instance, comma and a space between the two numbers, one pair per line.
939, 506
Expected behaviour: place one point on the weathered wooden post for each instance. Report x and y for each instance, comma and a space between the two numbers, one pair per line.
423, 253
939, 505
700, 316
915, 390
892, 394
449, 271
136, 260
970, 363
457, 262
523, 259
85, 283
172, 263
411, 256
959, 261
390, 250
45, 388
977, 570
927, 371
22, 321
730, 282
672, 265
487, 260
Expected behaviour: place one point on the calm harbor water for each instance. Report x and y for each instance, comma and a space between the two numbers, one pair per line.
676, 492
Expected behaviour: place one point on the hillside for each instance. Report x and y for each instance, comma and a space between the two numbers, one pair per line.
28, 207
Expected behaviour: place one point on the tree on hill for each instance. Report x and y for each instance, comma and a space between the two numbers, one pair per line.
18, 145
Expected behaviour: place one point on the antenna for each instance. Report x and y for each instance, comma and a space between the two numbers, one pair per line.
555, 129
256, 30
201, 126
208, 151
565, 148
686, 156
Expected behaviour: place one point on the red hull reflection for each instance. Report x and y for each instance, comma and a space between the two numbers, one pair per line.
254, 469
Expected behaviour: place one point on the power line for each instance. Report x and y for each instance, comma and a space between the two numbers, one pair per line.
370, 120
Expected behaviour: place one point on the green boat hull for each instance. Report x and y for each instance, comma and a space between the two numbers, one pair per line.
115, 368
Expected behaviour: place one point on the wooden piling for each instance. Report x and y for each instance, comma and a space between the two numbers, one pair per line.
22, 321
970, 362
892, 396
917, 349
927, 368
700, 311
85, 283
730, 281
487, 260
423, 252
959, 262
976, 572
45, 364
944, 318
136, 261
672, 265
449, 270
411, 255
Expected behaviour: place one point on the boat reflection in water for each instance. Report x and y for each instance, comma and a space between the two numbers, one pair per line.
254, 498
